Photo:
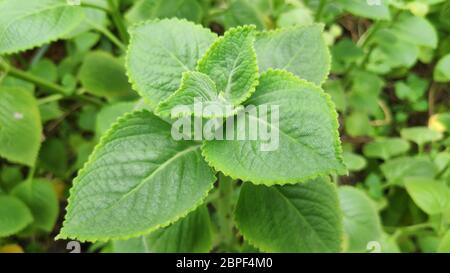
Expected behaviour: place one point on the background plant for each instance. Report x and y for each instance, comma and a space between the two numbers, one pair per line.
389, 82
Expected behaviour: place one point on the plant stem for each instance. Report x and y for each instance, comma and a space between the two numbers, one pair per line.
224, 206
108, 34
48, 86
319, 12
118, 21
54, 88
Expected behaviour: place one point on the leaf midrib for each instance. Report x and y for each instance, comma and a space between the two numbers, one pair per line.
297, 211
144, 180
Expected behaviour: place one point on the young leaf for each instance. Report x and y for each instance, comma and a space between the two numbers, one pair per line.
160, 51
244, 12
143, 10
14, 215
109, 114
25, 24
191, 234
354, 162
41, 198
300, 50
396, 170
231, 63
195, 86
363, 9
293, 218
421, 135
20, 126
304, 143
361, 221
137, 175
431, 196
103, 75
442, 69
386, 148
415, 30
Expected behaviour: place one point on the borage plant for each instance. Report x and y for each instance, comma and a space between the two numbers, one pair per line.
143, 185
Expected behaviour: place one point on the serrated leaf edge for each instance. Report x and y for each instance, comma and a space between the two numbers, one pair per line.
253, 57
268, 33
337, 143
73, 191
50, 40
130, 77
263, 248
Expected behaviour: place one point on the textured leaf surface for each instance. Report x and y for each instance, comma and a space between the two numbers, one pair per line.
160, 51
103, 75
196, 87
300, 50
191, 234
25, 24
20, 126
41, 198
361, 222
231, 64
293, 218
138, 179
308, 144
14, 215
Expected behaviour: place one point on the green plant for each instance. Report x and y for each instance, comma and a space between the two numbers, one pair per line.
104, 94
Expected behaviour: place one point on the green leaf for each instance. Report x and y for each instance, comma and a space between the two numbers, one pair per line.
300, 50
304, 143
231, 63
25, 24
195, 87
304, 217
54, 157
386, 148
361, 221
396, 170
14, 215
45, 69
442, 69
413, 89
20, 126
364, 9
103, 75
244, 12
191, 234
109, 114
152, 9
444, 245
358, 124
415, 30
420, 135
431, 196
300, 16
160, 51
354, 162
41, 198
137, 175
